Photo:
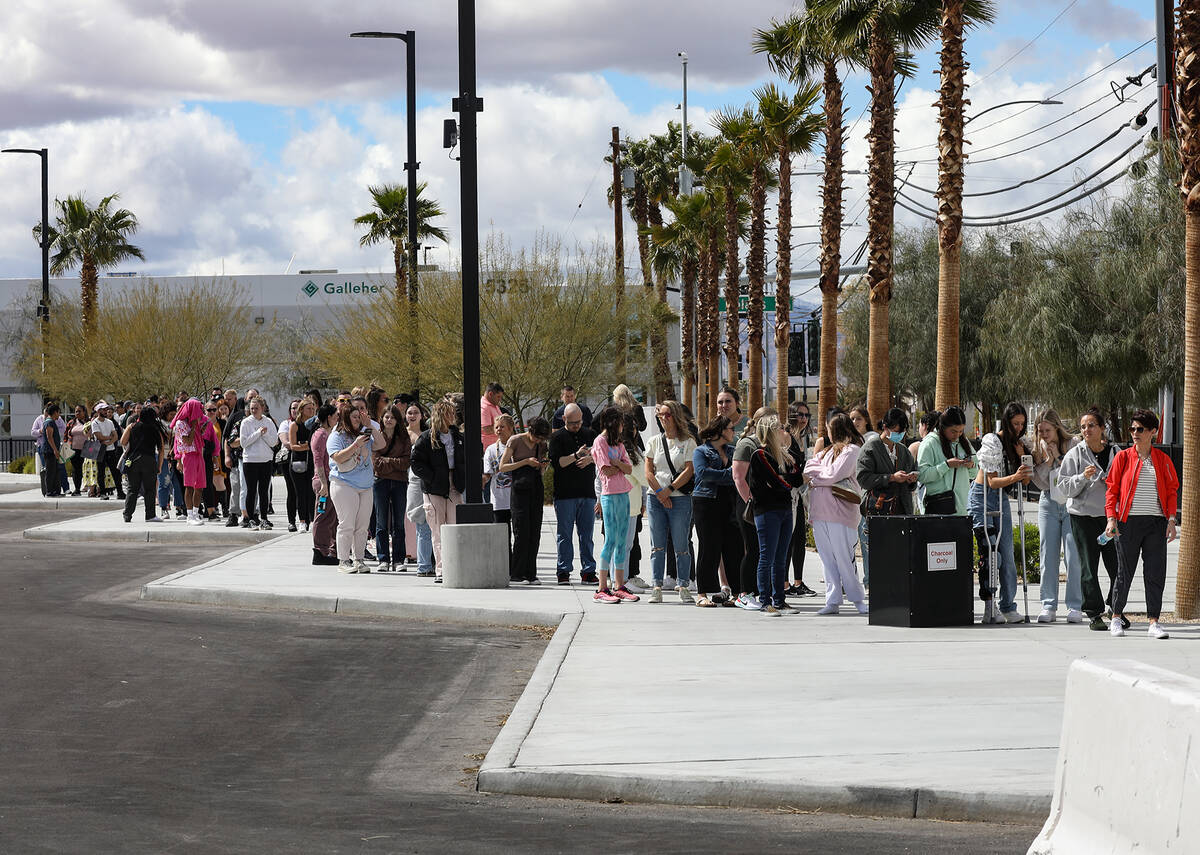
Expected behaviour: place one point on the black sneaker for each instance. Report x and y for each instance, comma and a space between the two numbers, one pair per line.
564, 579
806, 591
266, 524
367, 555
1098, 624
1125, 623
291, 526
534, 581
232, 523
590, 579
246, 523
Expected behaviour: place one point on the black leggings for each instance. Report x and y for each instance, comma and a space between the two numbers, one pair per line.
305, 497
748, 571
290, 483
799, 545
258, 482
1145, 536
77, 470
527, 530
719, 539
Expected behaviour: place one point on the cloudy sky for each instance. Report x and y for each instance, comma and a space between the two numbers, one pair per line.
243, 133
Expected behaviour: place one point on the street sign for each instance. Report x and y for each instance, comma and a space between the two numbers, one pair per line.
744, 303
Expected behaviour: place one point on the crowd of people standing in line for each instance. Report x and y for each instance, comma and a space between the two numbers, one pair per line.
365, 467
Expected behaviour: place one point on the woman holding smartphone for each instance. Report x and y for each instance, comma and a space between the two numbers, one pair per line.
525, 460
886, 470
946, 465
351, 485
1000, 466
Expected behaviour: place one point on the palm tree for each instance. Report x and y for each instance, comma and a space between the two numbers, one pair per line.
951, 161
800, 47
791, 127
729, 166
674, 252
759, 155
1187, 62
92, 239
388, 223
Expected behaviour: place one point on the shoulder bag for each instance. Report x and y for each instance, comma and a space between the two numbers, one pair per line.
92, 449
943, 503
687, 488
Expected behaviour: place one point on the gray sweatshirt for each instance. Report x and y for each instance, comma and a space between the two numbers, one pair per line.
1085, 497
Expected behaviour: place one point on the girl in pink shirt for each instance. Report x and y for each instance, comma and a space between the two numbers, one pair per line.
613, 465
835, 520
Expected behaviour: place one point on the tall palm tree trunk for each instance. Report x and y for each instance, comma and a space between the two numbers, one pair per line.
881, 211
687, 299
756, 272
1187, 58
712, 262
783, 280
704, 333
664, 388
733, 336
89, 282
831, 239
950, 193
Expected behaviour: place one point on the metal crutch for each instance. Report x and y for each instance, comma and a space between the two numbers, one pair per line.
993, 553
1024, 564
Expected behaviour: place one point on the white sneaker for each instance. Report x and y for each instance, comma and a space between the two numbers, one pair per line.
155, 519
671, 583
685, 596
1115, 628
989, 613
863, 608
360, 566
829, 610
1074, 616
1013, 617
656, 595
346, 567
1156, 631
639, 583
1048, 616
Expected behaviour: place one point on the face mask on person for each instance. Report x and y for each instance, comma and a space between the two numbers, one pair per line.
896, 436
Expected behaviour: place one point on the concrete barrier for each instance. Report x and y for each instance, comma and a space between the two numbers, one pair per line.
1128, 763
475, 555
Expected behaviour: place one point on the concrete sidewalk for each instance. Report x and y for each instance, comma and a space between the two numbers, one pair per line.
672, 703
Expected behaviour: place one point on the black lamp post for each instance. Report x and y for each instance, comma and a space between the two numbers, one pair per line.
44, 306
410, 39
468, 106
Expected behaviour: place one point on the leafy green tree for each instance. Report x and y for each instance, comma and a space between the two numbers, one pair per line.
91, 239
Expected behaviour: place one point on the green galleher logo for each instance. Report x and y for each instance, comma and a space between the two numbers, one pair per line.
310, 288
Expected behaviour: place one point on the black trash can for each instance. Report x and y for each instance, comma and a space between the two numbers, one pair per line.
922, 571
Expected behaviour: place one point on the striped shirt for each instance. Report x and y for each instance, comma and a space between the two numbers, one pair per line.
1145, 495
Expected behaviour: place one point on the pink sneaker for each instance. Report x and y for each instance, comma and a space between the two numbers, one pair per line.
605, 596
626, 594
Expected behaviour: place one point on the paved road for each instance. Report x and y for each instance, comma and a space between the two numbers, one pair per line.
131, 727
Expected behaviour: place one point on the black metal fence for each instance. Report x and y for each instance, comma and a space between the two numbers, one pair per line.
13, 447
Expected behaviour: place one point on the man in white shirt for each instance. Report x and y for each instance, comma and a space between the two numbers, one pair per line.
105, 430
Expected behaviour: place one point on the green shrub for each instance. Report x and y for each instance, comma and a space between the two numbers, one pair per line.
1033, 570
22, 466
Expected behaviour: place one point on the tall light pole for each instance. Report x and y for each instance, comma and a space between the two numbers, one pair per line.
410, 39
1043, 102
468, 106
685, 175
44, 306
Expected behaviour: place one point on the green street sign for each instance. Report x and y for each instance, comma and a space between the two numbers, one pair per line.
744, 303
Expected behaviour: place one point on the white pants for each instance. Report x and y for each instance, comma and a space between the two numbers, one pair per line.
440, 511
354, 516
835, 545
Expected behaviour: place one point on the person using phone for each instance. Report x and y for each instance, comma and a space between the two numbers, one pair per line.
886, 470
351, 485
259, 436
946, 464
1000, 466
324, 529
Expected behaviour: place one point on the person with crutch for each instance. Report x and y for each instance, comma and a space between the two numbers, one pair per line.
1140, 504
1000, 467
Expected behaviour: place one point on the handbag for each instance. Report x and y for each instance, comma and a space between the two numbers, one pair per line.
92, 449
748, 513
845, 491
65, 452
300, 463
943, 503
687, 488
879, 503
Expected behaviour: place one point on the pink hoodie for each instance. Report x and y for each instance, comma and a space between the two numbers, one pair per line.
191, 427
825, 472
604, 455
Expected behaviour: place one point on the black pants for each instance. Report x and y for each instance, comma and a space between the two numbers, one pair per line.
527, 529
1084, 531
77, 470
258, 482
290, 483
719, 539
799, 545
747, 572
110, 459
1147, 536
143, 479
209, 496
305, 497
635, 551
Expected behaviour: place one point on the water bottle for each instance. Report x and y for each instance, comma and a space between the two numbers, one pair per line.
321, 504
1104, 538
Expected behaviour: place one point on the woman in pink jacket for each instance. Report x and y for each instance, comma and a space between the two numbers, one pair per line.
834, 518
192, 429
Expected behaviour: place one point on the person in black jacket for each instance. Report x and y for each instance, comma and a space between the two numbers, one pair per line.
144, 450
439, 459
772, 476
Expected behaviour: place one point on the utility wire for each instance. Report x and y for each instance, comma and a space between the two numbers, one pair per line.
1039, 204
1037, 178
1030, 43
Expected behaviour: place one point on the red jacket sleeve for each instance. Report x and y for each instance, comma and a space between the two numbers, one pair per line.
1168, 483
1116, 475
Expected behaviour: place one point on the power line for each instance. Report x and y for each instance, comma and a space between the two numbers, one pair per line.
1030, 43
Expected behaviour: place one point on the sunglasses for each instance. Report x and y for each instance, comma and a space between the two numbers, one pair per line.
210, 409
1138, 429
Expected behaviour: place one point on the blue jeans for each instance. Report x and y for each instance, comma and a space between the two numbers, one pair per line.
424, 547
164, 485
391, 499
679, 519
578, 515
1008, 564
774, 530
1054, 529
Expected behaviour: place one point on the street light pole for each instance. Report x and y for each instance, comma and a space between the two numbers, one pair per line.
409, 37
468, 106
44, 306
1044, 101
685, 175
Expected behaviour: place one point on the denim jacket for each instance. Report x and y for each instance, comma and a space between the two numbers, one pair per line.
709, 472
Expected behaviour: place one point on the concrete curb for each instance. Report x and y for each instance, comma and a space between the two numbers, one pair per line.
190, 536
867, 800
496, 772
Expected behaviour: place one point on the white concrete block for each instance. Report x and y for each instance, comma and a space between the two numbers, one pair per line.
475, 555
1128, 775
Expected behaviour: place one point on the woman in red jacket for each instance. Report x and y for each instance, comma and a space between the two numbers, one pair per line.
1141, 496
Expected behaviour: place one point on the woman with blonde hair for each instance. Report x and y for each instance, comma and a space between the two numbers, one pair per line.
773, 475
1054, 520
623, 400
439, 459
669, 502
743, 580
835, 514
